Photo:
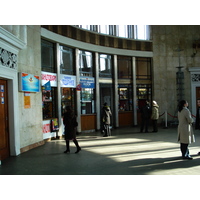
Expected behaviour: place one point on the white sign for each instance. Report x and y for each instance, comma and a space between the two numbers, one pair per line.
67, 81
52, 77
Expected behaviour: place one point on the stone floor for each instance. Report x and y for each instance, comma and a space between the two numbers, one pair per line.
126, 152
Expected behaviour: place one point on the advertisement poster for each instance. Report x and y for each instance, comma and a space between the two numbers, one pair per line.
27, 100
29, 82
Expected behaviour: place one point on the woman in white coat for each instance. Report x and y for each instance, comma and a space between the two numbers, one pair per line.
185, 132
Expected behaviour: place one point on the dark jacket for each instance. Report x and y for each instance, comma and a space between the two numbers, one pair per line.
69, 120
197, 123
145, 112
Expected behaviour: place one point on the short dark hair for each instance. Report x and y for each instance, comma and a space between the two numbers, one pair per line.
181, 105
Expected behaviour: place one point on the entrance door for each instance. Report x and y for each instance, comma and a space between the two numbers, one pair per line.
4, 135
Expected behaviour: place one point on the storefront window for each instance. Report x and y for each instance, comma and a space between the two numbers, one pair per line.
48, 56
85, 63
143, 68
67, 98
105, 65
125, 98
143, 94
87, 101
66, 60
49, 105
124, 67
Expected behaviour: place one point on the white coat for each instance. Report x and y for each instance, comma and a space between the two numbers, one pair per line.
185, 130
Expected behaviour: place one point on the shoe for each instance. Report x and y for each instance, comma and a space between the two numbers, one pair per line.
187, 157
105, 136
67, 151
78, 150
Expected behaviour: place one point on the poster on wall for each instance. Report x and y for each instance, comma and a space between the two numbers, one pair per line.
27, 100
29, 82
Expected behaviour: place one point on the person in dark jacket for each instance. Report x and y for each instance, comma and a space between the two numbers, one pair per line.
145, 116
70, 123
197, 123
106, 114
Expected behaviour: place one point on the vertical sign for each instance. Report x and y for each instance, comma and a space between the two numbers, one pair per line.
27, 100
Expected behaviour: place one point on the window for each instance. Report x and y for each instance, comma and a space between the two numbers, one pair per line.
85, 63
139, 32
105, 65
122, 30
66, 60
125, 98
48, 56
143, 94
87, 101
67, 98
49, 106
124, 67
143, 68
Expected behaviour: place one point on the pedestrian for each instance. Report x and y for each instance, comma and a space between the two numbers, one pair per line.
155, 116
70, 123
106, 119
197, 123
185, 132
145, 116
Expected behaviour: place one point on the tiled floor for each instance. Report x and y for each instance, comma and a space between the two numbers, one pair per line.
126, 152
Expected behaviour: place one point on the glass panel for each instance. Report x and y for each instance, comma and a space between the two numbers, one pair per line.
49, 103
143, 66
67, 98
143, 94
66, 60
125, 98
105, 65
47, 56
87, 101
139, 32
124, 68
85, 63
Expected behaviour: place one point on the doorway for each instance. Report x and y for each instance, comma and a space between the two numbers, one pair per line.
4, 133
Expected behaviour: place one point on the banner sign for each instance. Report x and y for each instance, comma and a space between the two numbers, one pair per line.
67, 81
29, 82
47, 76
87, 82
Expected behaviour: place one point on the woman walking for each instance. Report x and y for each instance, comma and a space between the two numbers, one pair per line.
185, 132
70, 123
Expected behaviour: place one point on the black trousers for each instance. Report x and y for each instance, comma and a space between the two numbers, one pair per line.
155, 126
184, 150
144, 124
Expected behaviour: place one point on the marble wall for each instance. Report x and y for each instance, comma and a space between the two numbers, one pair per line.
29, 61
167, 40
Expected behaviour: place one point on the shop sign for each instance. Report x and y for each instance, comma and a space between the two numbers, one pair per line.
47, 76
29, 82
46, 127
67, 81
87, 82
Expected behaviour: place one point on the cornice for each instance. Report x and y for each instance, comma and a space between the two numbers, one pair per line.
11, 39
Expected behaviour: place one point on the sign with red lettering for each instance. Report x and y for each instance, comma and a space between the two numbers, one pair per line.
46, 127
46, 77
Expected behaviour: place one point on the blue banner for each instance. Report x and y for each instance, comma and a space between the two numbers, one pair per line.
87, 82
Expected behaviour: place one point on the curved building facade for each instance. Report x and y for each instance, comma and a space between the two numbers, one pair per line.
45, 68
